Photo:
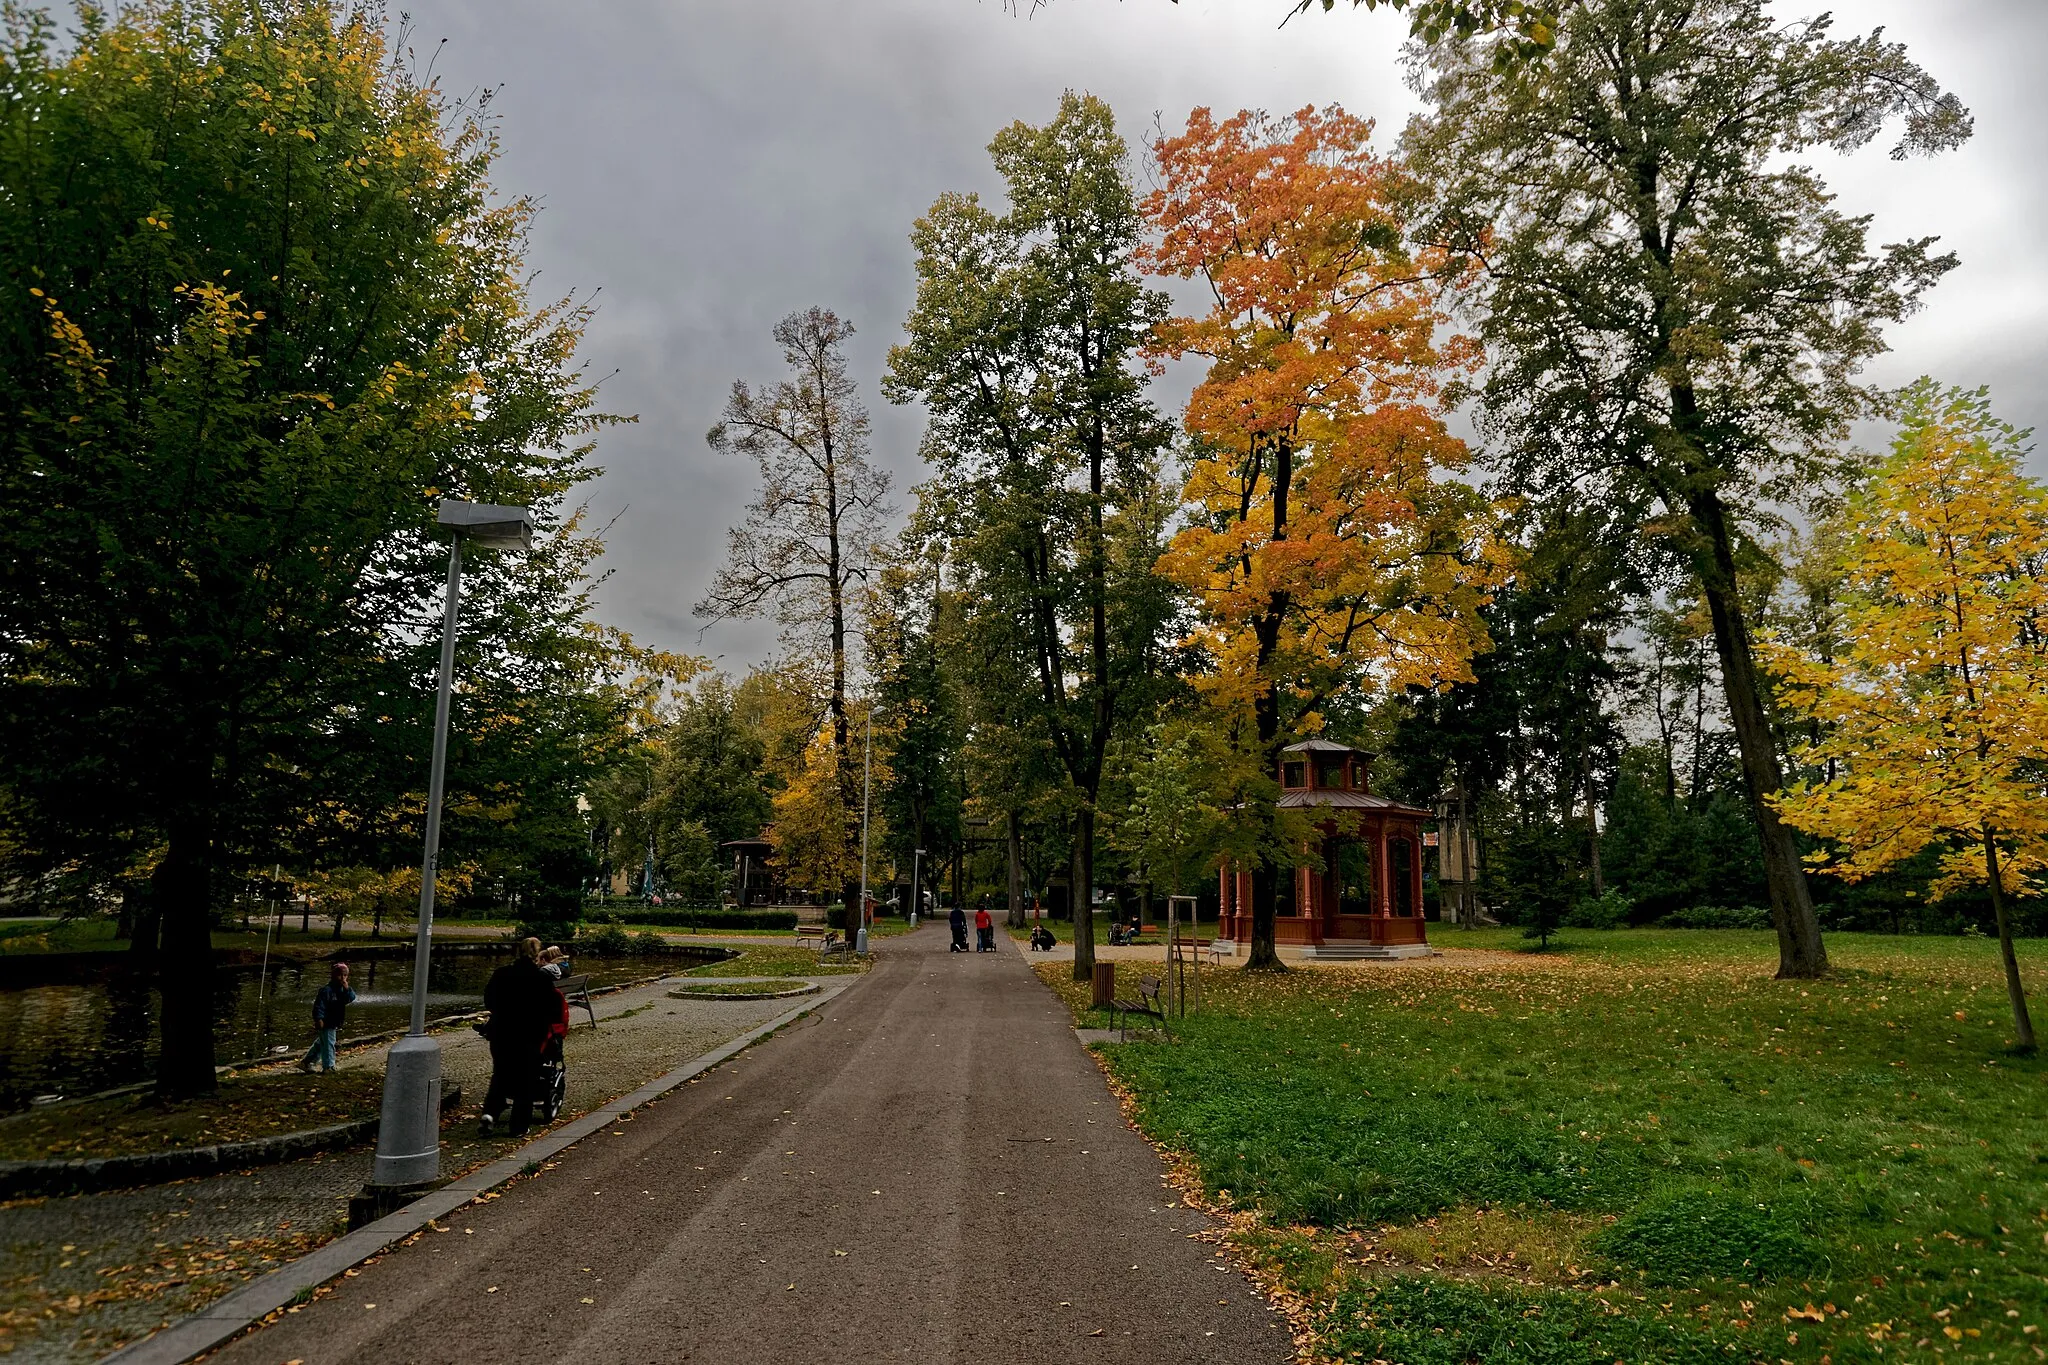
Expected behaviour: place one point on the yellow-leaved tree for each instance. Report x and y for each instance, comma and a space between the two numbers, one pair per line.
1326, 551
1933, 713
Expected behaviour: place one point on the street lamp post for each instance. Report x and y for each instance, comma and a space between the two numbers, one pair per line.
916, 886
409, 1131
867, 768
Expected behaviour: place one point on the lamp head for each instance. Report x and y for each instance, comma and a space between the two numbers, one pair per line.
488, 525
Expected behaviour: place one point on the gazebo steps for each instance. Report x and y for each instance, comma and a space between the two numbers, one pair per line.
1364, 952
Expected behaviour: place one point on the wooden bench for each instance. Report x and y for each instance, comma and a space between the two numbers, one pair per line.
576, 990
1147, 1003
819, 934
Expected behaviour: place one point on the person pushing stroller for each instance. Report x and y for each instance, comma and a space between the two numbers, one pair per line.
525, 1006
958, 921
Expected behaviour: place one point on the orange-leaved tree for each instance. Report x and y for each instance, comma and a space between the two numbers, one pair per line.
1933, 712
1326, 552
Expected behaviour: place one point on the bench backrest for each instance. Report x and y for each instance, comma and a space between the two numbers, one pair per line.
1148, 987
574, 985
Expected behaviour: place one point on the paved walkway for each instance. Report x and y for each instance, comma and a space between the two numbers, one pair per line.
929, 1169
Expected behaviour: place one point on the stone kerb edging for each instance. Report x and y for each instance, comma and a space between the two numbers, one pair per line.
685, 993
84, 1175
235, 1313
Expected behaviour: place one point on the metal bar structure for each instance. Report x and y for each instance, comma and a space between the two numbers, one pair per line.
1183, 958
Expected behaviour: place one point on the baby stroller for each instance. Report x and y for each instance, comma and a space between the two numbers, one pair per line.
552, 1085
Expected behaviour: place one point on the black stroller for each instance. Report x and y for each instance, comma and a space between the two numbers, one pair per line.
551, 1087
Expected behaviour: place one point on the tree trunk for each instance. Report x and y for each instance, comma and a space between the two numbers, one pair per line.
2015, 989
1800, 952
1592, 824
959, 867
181, 890
1079, 897
1016, 852
1263, 955
1468, 871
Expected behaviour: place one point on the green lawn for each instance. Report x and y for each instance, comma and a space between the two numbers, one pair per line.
780, 959
1637, 1146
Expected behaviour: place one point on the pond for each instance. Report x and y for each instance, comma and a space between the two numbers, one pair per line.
79, 1037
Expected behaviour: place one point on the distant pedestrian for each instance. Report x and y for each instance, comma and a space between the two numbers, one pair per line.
524, 1006
958, 920
984, 931
1042, 940
330, 1007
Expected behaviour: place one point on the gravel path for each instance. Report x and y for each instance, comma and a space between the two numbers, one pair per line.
930, 1168
82, 1275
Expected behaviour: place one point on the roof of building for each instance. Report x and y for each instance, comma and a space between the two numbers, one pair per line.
1324, 746
1330, 796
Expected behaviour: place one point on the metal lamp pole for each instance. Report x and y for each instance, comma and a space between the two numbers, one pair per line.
409, 1132
867, 768
916, 886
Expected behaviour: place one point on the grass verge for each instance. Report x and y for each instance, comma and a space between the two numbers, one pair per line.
1637, 1146
244, 1107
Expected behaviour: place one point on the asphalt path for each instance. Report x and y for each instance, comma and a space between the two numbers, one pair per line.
930, 1168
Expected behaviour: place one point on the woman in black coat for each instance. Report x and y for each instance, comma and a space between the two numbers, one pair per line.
524, 1006
958, 919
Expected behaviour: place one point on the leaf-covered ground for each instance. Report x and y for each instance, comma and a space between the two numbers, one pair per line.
244, 1107
1640, 1147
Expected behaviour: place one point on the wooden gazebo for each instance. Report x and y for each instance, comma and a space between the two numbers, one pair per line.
1366, 902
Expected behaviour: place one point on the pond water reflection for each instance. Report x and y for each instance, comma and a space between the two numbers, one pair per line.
79, 1037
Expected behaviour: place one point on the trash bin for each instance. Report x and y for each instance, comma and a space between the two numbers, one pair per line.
1104, 982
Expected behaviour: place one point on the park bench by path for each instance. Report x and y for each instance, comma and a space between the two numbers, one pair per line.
1147, 1003
819, 934
576, 990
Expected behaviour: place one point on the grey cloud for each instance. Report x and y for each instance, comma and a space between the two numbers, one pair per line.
715, 164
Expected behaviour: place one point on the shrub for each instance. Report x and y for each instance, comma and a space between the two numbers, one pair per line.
1609, 911
608, 941
546, 930
647, 941
1681, 1237
713, 919
1718, 917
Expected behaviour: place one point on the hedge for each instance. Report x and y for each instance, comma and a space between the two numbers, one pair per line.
700, 919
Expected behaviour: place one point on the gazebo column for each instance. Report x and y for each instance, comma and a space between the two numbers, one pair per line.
1383, 880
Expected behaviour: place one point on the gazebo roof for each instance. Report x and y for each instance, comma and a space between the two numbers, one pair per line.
1324, 746
1347, 800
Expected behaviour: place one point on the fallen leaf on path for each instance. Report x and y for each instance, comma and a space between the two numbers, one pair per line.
1096, 1333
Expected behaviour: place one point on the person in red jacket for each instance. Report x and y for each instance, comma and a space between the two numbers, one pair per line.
984, 930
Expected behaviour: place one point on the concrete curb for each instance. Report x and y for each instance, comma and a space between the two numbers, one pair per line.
86, 1175
686, 994
229, 1316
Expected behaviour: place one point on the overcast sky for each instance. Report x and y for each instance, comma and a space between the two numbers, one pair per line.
712, 165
